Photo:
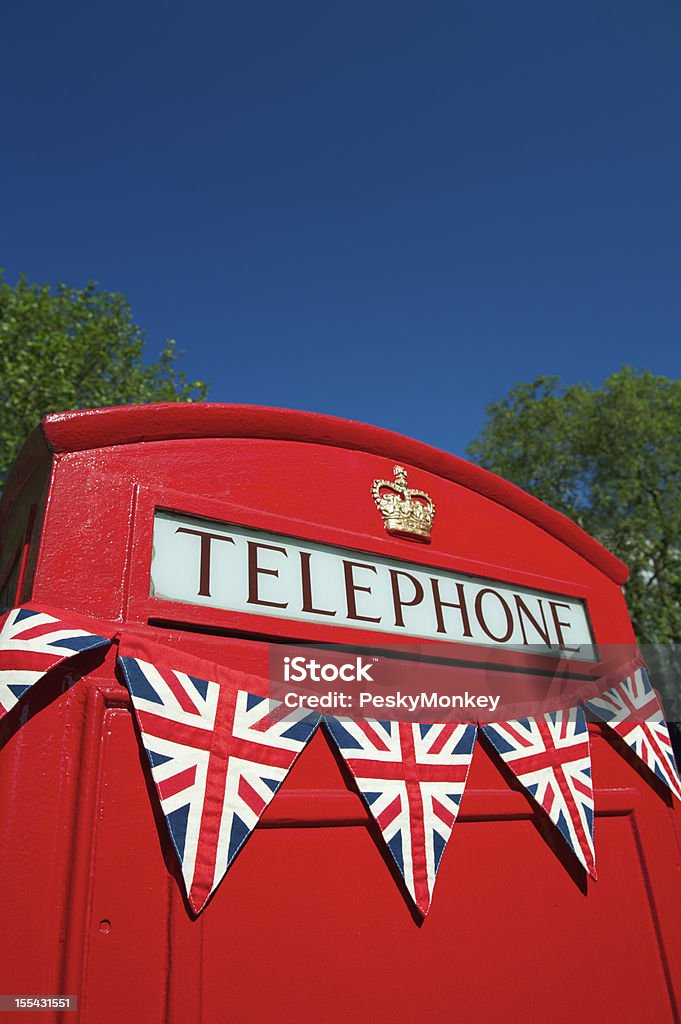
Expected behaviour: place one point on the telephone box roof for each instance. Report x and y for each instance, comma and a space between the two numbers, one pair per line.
89, 429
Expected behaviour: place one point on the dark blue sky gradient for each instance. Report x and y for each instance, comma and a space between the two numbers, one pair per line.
391, 212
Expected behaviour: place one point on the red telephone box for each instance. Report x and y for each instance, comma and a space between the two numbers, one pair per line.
308, 923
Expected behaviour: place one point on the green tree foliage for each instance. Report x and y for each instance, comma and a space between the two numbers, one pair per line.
68, 348
610, 458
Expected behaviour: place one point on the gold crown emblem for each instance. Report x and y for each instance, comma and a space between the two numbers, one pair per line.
406, 512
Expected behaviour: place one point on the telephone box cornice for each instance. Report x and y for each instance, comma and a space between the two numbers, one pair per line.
85, 430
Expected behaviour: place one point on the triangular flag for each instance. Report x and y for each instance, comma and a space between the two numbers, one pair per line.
633, 710
411, 777
217, 753
33, 642
550, 757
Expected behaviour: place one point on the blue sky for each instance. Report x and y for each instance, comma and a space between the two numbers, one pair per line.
391, 212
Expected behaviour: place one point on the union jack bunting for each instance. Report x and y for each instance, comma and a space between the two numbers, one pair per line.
632, 709
550, 756
31, 643
412, 778
218, 754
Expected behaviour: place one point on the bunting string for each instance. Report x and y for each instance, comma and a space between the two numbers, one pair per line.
218, 751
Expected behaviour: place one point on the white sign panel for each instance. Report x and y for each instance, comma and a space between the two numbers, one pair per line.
220, 565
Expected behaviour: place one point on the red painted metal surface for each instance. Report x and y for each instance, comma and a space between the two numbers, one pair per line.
309, 923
